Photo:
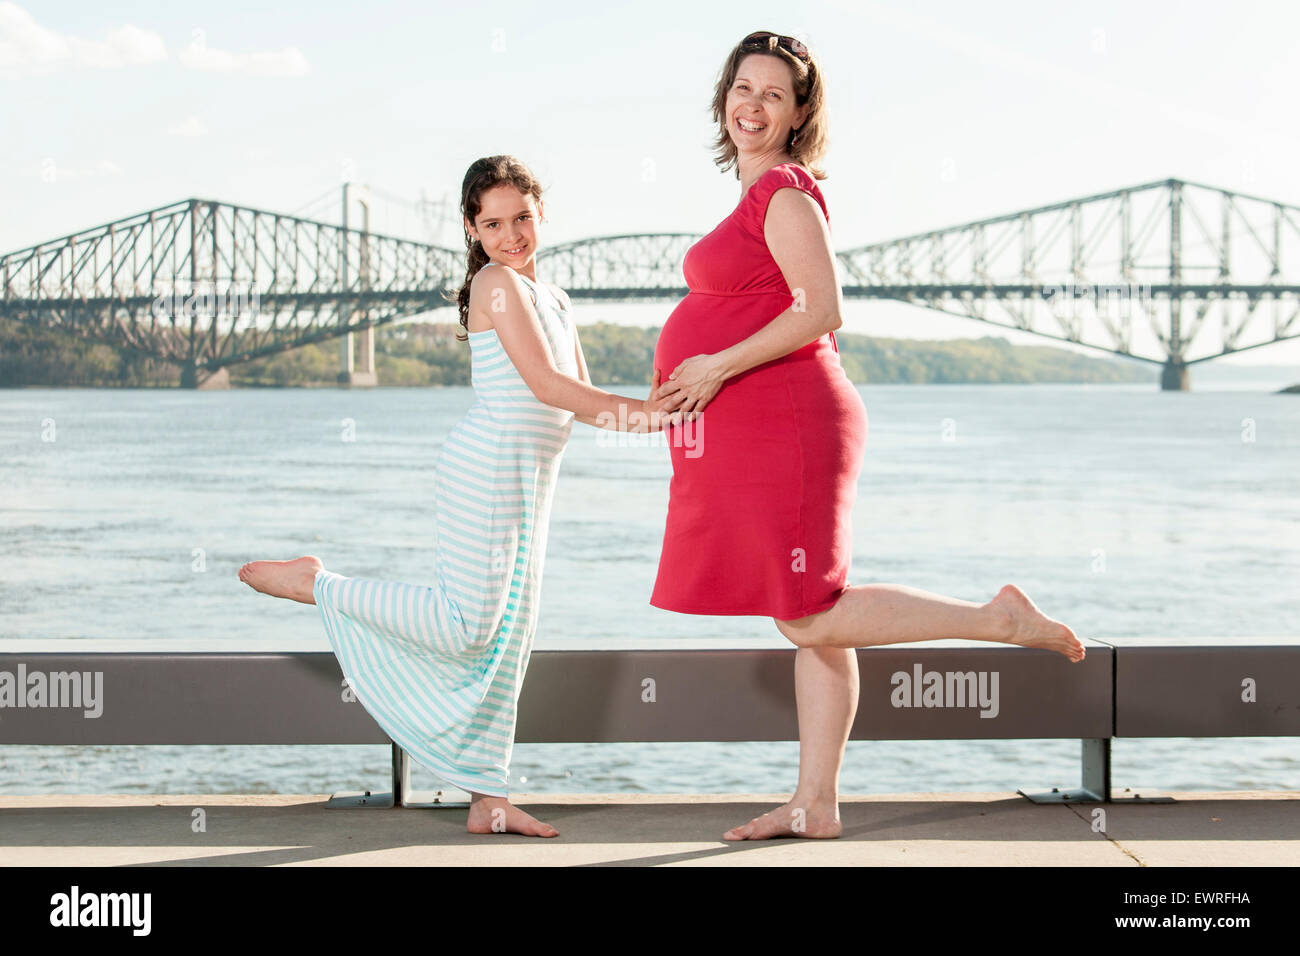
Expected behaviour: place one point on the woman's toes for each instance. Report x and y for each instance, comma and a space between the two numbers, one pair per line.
741, 832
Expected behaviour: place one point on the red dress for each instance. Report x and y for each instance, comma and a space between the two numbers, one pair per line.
759, 509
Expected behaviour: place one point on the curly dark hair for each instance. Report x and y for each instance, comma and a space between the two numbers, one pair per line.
482, 175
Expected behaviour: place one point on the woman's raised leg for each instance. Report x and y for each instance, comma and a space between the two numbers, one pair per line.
826, 686
871, 614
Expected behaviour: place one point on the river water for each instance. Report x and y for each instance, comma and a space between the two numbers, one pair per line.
1121, 510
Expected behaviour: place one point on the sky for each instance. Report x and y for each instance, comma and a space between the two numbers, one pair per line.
940, 113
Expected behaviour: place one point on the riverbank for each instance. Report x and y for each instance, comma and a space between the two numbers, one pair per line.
426, 354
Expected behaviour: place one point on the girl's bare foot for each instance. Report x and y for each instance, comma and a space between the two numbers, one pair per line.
1030, 627
499, 815
794, 819
294, 579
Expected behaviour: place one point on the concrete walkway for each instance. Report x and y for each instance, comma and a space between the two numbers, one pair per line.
1240, 828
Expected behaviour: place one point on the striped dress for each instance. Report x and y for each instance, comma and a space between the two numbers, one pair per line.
440, 665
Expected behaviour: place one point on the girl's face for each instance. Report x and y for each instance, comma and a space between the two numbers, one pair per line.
507, 225
760, 105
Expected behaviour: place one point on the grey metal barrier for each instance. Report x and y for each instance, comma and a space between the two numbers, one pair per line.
947, 690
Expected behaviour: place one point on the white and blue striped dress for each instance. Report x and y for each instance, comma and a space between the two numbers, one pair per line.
440, 666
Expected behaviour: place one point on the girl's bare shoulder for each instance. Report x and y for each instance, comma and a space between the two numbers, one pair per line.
489, 279
561, 295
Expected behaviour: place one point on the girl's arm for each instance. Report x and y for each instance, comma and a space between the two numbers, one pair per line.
500, 295
583, 375
800, 243
656, 421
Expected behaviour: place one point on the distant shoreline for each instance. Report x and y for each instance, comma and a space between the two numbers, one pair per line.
428, 354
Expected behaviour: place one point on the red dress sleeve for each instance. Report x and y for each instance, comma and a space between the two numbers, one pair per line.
754, 206
785, 176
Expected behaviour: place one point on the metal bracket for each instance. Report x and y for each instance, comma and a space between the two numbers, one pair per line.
406, 797
402, 795
1147, 795
1095, 786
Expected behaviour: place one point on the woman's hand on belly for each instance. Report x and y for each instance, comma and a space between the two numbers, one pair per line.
693, 384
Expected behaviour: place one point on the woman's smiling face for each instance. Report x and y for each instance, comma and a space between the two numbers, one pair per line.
506, 225
761, 108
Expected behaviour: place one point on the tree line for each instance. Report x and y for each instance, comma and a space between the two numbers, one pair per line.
428, 353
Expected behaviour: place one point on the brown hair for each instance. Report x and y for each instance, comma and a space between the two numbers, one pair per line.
482, 175
807, 145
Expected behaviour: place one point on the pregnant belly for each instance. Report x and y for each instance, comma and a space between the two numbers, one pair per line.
767, 410
704, 323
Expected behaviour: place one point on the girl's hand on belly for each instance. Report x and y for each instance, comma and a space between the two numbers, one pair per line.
693, 384
659, 411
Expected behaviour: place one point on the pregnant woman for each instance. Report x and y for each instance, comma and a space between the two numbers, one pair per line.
759, 513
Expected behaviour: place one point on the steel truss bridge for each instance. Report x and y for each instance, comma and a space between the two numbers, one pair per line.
1170, 272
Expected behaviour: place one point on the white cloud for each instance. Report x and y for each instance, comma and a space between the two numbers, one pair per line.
51, 171
287, 62
25, 45
190, 127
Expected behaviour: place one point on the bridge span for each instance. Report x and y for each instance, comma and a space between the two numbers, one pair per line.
1170, 272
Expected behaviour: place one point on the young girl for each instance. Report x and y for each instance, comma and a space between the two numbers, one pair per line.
440, 666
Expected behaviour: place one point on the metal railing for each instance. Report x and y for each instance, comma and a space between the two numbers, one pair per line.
949, 690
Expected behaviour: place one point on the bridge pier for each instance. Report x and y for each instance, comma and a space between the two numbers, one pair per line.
202, 379
349, 372
1174, 377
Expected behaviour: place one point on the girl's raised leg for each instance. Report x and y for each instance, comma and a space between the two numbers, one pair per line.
293, 580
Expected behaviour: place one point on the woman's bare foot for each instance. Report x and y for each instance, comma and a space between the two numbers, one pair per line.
794, 819
294, 579
1030, 627
499, 815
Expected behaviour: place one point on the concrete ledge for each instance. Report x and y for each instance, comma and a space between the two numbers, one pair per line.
1235, 828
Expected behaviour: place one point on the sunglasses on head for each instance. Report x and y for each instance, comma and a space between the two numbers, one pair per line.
760, 41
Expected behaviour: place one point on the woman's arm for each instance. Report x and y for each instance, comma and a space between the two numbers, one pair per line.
800, 242
500, 295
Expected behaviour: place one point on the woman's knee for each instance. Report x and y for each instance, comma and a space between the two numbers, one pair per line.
801, 631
